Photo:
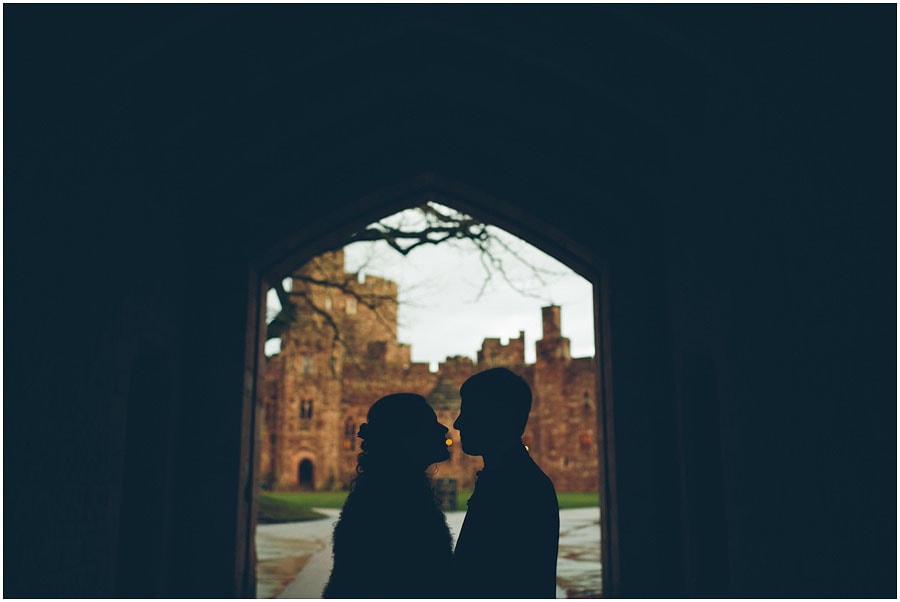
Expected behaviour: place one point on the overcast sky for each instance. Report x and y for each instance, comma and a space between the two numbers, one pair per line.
441, 313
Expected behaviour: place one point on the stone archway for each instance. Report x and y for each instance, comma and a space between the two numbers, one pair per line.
311, 239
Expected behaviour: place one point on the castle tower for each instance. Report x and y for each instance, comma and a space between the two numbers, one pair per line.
550, 322
318, 389
564, 410
553, 346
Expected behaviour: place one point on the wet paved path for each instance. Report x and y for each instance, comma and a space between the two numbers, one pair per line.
294, 559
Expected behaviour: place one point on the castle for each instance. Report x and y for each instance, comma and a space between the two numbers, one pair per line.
341, 353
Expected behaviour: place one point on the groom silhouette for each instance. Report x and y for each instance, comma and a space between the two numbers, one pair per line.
509, 540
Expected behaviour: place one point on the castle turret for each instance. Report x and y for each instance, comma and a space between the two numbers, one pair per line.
551, 322
327, 266
319, 388
553, 346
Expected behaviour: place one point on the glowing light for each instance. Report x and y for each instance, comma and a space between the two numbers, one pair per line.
448, 442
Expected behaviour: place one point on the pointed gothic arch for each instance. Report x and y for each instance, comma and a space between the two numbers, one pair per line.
313, 238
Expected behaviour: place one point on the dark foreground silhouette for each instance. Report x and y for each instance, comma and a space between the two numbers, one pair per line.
509, 540
392, 539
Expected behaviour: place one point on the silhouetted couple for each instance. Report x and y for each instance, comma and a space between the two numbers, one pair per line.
392, 539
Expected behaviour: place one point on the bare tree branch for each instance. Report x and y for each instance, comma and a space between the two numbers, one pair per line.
433, 224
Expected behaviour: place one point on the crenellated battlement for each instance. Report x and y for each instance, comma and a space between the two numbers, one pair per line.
495, 353
318, 389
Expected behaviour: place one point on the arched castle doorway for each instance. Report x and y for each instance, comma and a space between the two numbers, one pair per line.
305, 480
312, 239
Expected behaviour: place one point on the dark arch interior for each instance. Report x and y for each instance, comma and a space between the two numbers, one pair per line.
732, 166
285, 255
305, 474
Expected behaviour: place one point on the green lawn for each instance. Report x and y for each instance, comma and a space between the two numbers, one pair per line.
577, 499
292, 506
274, 510
311, 499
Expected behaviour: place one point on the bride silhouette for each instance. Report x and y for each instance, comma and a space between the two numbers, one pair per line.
391, 539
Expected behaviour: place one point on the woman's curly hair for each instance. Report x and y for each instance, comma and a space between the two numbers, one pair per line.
381, 452
391, 505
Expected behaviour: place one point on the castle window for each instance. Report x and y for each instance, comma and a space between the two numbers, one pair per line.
328, 303
306, 408
306, 364
351, 306
349, 435
587, 400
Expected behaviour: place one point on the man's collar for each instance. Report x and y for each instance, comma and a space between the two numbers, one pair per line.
509, 455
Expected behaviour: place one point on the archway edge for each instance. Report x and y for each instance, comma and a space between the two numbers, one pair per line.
325, 233
314, 238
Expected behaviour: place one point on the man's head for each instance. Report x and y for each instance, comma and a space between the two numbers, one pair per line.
493, 411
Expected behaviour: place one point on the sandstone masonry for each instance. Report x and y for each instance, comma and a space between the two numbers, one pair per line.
317, 390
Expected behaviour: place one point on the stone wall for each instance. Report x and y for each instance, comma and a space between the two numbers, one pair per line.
341, 355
